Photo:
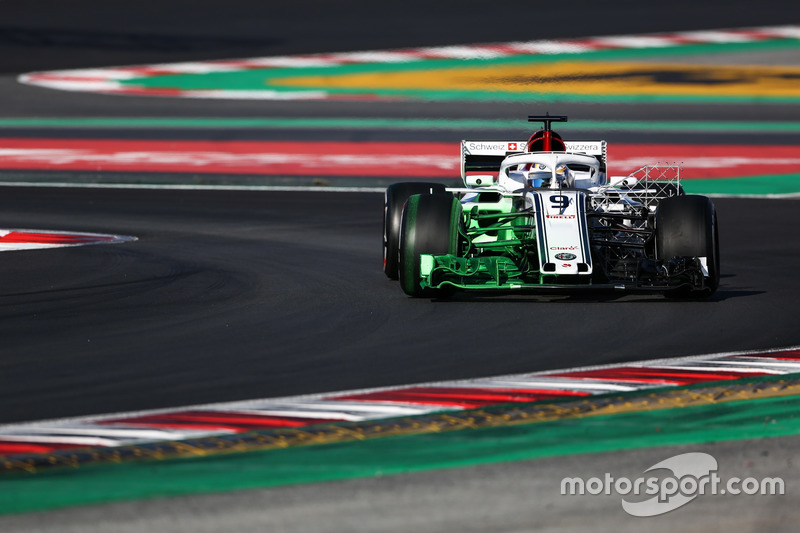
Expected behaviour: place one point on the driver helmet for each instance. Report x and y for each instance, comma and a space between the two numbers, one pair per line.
564, 175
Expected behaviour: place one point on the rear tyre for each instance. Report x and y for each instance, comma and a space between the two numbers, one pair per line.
429, 226
686, 226
393, 201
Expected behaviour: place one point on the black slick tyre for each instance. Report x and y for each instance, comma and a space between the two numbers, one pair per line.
429, 225
686, 226
393, 201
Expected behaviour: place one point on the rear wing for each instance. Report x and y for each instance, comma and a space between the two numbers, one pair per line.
486, 156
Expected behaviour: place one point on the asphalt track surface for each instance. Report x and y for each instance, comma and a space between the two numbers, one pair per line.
236, 295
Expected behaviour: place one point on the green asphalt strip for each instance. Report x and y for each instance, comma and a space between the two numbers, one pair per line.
763, 408
780, 185
394, 124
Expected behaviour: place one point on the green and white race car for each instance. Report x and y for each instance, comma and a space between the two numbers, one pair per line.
542, 215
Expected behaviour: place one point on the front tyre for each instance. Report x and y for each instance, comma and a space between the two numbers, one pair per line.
686, 226
429, 225
393, 201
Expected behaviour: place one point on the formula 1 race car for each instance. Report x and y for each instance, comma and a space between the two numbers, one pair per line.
541, 215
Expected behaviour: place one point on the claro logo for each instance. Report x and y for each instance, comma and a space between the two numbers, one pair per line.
561, 217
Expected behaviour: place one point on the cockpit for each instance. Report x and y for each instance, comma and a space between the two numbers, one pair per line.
550, 170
